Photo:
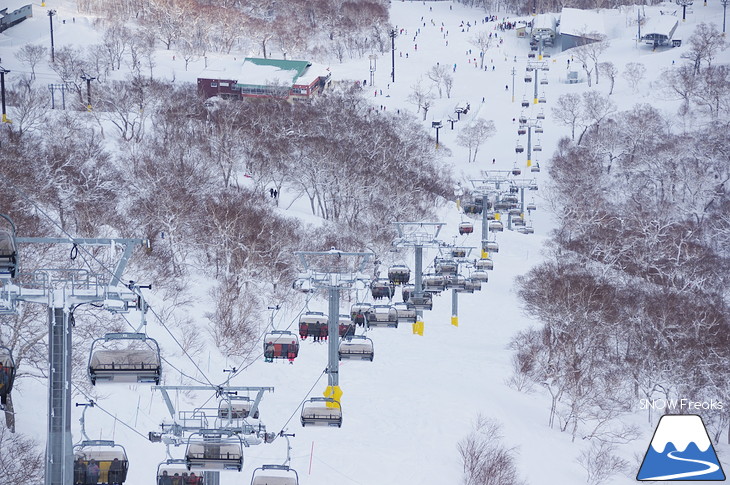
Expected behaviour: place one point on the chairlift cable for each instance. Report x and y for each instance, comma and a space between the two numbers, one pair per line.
111, 272
324, 372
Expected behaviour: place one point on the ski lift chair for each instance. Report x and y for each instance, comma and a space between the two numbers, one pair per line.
521, 131
382, 288
472, 285
383, 316
399, 274
496, 226
516, 170
356, 347
7, 374
539, 130
408, 291
456, 282
125, 365
528, 77
541, 115
444, 266
435, 283
237, 407
518, 221
321, 411
109, 457
537, 147
480, 275
310, 322
406, 312
542, 99
535, 168
519, 148
471, 208
216, 453
346, 326
280, 344
484, 264
458, 253
544, 81
168, 470
274, 475
525, 103
492, 247
359, 313
424, 302
531, 206
466, 228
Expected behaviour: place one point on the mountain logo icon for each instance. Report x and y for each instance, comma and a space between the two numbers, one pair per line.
681, 450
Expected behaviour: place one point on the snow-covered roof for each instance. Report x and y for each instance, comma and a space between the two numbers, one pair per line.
313, 72
268, 72
544, 21
582, 23
663, 24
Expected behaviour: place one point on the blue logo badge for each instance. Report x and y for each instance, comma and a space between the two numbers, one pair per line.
681, 450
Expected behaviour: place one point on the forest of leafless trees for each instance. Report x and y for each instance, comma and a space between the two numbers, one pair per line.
297, 28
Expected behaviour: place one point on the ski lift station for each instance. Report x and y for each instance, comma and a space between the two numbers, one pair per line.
580, 27
544, 28
659, 31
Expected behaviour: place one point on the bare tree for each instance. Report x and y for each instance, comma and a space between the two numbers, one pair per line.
610, 71
24, 464
568, 111
29, 106
419, 94
704, 44
437, 74
482, 40
681, 83
31, 55
600, 463
634, 73
486, 460
474, 134
448, 84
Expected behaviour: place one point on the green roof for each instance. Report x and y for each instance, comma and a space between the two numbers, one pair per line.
284, 65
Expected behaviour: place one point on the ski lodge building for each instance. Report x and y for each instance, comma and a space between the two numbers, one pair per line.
268, 78
580, 27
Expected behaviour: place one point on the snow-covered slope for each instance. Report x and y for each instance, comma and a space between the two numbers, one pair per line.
405, 412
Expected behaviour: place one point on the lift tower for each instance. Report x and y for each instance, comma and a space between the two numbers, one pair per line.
334, 271
61, 290
418, 235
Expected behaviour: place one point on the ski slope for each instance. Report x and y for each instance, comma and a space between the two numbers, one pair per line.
405, 412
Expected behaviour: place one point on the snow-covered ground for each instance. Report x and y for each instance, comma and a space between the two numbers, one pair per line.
405, 412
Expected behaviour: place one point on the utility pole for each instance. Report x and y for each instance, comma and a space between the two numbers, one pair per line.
724, 4
392, 34
3, 72
51, 13
418, 235
333, 271
373, 62
88, 80
514, 72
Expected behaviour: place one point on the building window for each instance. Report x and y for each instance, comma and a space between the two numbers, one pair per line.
214, 84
